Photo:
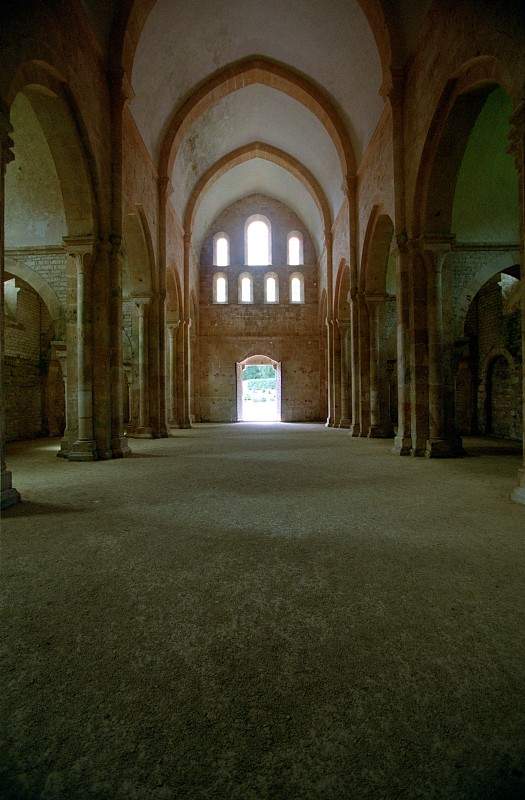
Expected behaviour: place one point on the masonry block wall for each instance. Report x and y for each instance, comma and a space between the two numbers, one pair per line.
33, 384
287, 333
489, 374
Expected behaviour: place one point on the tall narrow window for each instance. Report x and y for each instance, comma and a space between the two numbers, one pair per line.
295, 249
271, 288
220, 288
296, 288
245, 288
221, 250
258, 241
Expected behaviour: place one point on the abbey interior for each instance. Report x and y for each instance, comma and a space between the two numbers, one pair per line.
263, 320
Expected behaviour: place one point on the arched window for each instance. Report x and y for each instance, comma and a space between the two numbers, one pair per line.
258, 241
271, 288
220, 288
221, 250
245, 288
295, 249
296, 288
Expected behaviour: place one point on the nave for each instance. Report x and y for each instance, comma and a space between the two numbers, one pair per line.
264, 611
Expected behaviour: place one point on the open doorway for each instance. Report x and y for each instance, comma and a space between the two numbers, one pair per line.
258, 390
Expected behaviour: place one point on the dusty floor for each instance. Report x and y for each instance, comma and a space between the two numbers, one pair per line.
264, 612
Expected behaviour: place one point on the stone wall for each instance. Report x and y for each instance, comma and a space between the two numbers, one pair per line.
287, 333
34, 389
489, 374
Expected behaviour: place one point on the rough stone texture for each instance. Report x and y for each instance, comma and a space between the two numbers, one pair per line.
286, 332
232, 614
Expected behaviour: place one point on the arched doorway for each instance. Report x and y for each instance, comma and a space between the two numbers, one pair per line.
258, 390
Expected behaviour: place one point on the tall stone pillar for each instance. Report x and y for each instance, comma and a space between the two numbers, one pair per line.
330, 344
184, 372
364, 364
403, 438
172, 375
517, 149
81, 251
355, 428
142, 428
443, 441
344, 332
9, 495
380, 423
418, 350
60, 353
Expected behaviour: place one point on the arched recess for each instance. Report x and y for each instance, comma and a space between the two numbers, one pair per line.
59, 117
377, 341
139, 274
42, 288
341, 376
267, 153
498, 380
458, 108
131, 16
267, 72
323, 355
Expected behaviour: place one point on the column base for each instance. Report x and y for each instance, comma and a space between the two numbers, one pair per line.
10, 496
64, 447
83, 450
345, 423
402, 445
120, 447
355, 430
518, 493
379, 432
140, 433
329, 422
445, 448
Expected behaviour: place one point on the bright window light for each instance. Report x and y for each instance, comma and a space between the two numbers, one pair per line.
222, 256
294, 251
271, 289
296, 289
220, 290
258, 243
246, 289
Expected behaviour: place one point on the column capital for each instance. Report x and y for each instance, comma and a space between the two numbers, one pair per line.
140, 300
79, 245
372, 298
172, 326
343, 324
187, 238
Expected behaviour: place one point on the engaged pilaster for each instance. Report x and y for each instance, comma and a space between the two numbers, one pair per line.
81, 251
9, 495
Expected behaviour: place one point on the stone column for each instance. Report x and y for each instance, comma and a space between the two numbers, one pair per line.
443, 441
142, 428
9, 495
128, 372
172, 375
355, 428
81, 251
330, 344
380, 423
517, 149
403, 438
344, 330
364, 364
60, 353
184, 374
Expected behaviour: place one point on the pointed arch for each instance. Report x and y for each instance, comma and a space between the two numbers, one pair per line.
245, 72
139, 274
457, 110
66, 134
268, 153
376, 250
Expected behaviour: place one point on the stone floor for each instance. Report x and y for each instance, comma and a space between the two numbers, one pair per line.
258, 612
